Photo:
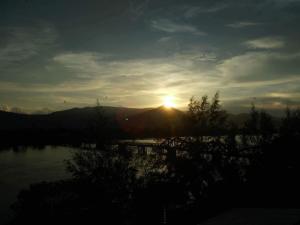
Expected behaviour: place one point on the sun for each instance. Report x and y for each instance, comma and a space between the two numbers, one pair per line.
169, 102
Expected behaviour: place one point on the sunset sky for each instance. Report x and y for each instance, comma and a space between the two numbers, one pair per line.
60, 54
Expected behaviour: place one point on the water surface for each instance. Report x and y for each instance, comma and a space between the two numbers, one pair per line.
19, 169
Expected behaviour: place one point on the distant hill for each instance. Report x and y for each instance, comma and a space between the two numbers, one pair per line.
75, 118
130, 121
17, 121
160, 121
127, 122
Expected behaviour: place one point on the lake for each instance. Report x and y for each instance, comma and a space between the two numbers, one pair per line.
19, 169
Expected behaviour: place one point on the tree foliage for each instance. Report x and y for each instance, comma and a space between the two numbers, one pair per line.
208, 118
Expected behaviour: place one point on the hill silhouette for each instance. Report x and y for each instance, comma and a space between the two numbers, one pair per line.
161, 121
80, 117
79, 123
75, 118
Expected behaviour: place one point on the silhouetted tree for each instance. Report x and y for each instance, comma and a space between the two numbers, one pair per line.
291, 122
207, 118
258, 129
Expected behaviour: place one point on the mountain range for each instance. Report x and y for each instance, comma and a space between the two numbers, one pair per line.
125, 122
132, 121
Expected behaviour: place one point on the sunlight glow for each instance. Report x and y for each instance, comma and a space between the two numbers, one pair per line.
169, 102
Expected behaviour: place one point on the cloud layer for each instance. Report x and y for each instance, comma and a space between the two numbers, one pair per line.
266, 43
133, 53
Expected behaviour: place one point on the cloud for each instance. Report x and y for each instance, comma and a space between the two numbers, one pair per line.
16, 109
97, 74
97, 65
137, 9
197, 56
284, 95
266, 43
4, 108
83, 64
261, 66
71, 86
164, 39
142, 82
13, 109
274, 105
23, 43
169, 26
243, 24
193, 11
182, 74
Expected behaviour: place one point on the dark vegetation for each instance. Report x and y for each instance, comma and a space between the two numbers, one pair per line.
184, 180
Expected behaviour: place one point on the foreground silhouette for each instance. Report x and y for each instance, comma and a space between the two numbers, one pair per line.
186, 180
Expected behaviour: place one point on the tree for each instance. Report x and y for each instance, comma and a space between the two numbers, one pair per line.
290, 123
207, 118
258, 129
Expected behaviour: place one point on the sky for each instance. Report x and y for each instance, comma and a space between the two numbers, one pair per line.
61, 54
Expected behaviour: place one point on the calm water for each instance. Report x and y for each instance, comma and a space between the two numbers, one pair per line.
19, 169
